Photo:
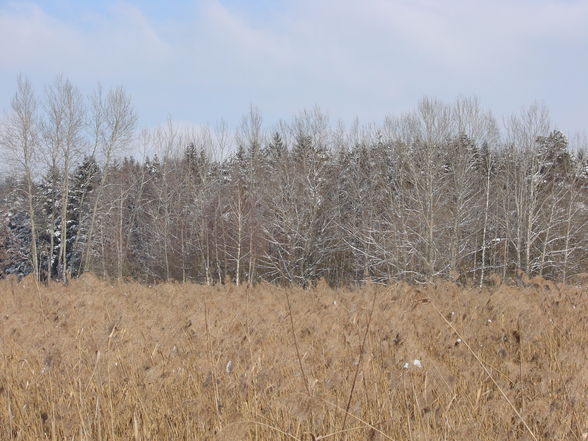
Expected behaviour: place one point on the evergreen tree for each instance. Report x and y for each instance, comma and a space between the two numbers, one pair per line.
83, 182
49, 200
17, 236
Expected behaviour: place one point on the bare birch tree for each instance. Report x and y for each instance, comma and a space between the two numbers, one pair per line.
113, 125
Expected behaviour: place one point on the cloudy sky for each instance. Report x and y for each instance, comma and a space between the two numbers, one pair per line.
200, 60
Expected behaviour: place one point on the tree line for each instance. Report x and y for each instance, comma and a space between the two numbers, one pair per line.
441, 191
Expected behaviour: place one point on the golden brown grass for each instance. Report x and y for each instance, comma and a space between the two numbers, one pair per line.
102, 361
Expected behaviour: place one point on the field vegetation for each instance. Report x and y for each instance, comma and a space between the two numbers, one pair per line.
97, 360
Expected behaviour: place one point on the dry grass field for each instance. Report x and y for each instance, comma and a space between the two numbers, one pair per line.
102, 361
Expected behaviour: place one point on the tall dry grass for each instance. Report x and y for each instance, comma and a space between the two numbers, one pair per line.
101, 361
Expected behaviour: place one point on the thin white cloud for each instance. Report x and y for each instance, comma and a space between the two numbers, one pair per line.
352, 58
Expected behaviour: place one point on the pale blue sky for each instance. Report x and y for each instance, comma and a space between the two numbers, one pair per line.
201, 60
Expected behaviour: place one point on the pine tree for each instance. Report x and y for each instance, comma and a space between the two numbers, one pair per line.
49, 200
82, 182
85, 179
275, 152
17, 235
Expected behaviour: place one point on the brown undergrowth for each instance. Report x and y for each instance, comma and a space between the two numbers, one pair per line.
103, 361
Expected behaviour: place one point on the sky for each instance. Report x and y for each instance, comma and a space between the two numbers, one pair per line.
202, 60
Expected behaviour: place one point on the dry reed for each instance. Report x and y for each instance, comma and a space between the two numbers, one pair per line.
105, 361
